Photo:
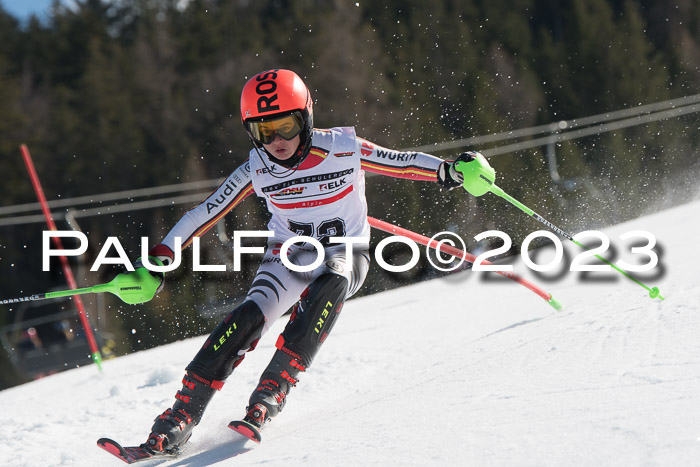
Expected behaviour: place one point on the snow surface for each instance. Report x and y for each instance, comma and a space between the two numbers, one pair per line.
454, 371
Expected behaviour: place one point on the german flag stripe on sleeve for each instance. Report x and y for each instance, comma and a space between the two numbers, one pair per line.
245, 192
411, 172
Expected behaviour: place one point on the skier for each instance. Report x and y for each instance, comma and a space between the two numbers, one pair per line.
313, 183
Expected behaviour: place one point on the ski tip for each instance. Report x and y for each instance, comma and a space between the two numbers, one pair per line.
246, 429
113, 448
133, 454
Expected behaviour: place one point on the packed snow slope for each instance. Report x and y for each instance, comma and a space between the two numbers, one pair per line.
454, 371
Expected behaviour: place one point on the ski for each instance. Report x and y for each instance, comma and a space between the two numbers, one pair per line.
132, 454
246, 429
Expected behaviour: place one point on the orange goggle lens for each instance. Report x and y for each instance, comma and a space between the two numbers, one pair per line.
287, 127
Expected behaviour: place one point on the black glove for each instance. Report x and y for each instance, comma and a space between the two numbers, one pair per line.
450, 178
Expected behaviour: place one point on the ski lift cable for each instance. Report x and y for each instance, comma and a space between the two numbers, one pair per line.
562, 125
558, 132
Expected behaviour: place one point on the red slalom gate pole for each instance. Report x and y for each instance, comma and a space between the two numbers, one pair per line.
457, 253
96, 355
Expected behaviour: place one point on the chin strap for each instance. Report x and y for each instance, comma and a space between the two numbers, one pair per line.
291, 164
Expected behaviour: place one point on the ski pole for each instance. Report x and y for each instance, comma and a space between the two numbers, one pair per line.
457, 253
479, 178
132, 288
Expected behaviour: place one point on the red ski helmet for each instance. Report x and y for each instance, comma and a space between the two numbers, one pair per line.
277, 102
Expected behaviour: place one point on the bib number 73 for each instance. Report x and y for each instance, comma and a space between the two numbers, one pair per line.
323, 232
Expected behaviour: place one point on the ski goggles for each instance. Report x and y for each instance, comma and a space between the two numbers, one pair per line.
287, 127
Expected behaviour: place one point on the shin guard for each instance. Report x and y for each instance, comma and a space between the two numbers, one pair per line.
226, 346
311, 321
223, 350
